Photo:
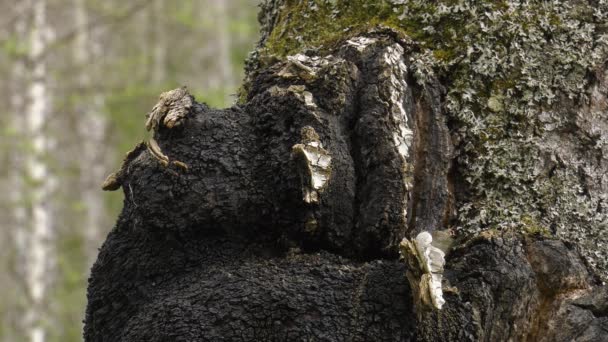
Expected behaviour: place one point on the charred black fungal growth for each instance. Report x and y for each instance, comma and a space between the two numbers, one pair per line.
283, 218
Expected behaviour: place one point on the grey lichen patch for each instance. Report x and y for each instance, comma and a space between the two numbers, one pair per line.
495, 103
425, 274
526, 100
519, 88
157, 152
171, 110
314, 164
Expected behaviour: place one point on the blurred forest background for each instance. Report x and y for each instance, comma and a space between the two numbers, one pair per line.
78, 77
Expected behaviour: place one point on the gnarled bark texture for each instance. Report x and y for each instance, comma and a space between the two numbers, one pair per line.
242, 246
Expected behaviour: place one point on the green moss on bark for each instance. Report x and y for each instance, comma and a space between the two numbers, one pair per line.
518, 79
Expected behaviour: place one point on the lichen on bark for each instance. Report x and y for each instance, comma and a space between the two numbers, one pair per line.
525, 103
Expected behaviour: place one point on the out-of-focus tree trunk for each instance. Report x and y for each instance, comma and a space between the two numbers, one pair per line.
14, 225
38, 246
159, 42
92, 129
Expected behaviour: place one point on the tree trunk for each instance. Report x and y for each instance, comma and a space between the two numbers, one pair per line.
92, 129
14, 239
39, 255
468, 138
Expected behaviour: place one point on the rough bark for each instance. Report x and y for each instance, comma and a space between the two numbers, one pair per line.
242, 246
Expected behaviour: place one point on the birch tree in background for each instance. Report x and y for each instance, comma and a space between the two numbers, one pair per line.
39, 249
79, 75
13, 216
92, 126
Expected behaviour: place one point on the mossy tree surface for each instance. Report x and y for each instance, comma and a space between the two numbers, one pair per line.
524, 83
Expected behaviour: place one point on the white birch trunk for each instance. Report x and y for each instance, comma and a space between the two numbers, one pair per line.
39, 253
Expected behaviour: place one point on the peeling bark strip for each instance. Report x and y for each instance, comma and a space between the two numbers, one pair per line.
315, 168
287, 224
425, 272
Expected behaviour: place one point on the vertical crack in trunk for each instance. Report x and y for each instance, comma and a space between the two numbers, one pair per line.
432, 160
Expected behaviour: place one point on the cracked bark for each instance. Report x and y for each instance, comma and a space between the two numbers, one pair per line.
226, 250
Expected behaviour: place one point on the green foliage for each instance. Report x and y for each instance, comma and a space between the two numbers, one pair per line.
127, 108
184, 14
214, 97
13, 47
